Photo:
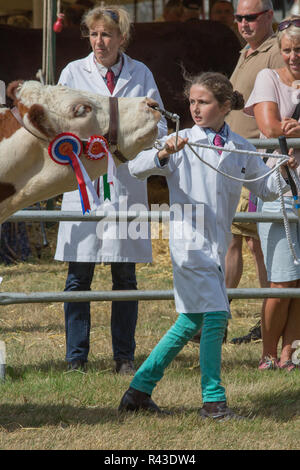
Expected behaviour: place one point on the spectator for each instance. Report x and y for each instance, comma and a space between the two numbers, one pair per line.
254, 18
272, 105
192, 10
173, 11
19, 21
222, 11
108, 29
74, 13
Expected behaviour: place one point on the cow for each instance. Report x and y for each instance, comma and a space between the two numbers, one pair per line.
193, 46
28, 174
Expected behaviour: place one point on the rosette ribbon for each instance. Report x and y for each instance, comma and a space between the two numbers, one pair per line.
65, 149
97, 148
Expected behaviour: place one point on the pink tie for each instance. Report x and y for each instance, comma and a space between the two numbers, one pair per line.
218, 141
110, 77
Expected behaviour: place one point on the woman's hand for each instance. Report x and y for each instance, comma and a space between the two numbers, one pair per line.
170, 146
290, 127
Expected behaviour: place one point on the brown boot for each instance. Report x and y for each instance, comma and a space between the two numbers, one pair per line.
218, 410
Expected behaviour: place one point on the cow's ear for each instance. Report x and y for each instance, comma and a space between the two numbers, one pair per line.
12, 89
81, 110
37, 117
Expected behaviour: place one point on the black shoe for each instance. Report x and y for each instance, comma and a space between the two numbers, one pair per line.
253, 335
125, 367
134, 400
77, 365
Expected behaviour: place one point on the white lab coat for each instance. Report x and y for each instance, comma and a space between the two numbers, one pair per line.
80, 241
198, 266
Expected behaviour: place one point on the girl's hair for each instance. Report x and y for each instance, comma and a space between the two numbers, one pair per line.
292, 32
219, 85
113, 16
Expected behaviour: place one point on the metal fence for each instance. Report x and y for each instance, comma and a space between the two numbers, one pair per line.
7, 298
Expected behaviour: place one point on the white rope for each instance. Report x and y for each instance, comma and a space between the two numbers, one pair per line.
245, 152
296, 179
285, 220
283, 159
242, 180
279, 188
177, 120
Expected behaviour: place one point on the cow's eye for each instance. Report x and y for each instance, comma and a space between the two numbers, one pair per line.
81, 110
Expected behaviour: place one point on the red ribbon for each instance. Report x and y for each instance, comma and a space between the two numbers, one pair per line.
67, 149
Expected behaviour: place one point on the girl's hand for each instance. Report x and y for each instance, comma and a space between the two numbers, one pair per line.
292, 163
290, 127
170, 146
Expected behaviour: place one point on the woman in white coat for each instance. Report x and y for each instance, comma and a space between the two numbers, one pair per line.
198, 252
107, 70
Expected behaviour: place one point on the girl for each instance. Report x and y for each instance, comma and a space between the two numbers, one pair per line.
198, 262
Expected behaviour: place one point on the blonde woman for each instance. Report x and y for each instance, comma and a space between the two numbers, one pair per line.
272, 103
107, 70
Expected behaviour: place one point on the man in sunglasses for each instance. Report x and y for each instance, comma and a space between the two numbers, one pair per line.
254, 19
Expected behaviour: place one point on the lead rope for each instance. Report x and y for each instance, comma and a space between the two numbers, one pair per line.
283, 159
285, 219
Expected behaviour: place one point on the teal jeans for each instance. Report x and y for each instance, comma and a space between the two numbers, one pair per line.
213, 325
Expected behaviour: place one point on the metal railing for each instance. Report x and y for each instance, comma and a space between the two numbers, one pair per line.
7, 298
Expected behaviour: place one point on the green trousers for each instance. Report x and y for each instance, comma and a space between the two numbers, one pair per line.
213, 325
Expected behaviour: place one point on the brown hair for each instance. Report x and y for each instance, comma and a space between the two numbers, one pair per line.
219, 85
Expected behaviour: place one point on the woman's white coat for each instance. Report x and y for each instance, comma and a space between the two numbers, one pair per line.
86, 241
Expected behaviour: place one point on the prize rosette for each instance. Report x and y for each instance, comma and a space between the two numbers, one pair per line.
65, 149
97, 147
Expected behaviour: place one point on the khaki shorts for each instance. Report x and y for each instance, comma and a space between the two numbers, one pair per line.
242, 228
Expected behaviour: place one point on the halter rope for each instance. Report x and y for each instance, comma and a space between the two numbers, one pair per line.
294, 180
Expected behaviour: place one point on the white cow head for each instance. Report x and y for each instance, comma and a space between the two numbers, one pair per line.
27, 173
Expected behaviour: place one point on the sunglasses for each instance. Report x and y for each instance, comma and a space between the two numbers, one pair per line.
286, 24
249, 18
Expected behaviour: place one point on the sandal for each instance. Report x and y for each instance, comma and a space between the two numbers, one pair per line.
268, 363
289, 366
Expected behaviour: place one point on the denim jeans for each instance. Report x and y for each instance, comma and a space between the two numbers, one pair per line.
123, 313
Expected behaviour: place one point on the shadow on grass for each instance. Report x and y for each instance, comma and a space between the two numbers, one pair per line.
14, 417
281, 406
32, 328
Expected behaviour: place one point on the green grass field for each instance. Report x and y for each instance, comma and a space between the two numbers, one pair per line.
42, 406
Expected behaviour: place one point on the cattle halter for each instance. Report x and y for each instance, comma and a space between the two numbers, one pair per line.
111, 136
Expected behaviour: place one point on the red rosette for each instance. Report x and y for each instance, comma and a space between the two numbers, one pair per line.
96, 147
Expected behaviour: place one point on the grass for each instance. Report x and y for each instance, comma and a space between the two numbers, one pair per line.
44, 407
